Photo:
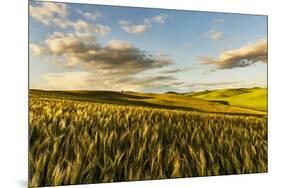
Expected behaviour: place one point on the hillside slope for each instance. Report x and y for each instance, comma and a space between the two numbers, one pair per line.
167, 101
251, 98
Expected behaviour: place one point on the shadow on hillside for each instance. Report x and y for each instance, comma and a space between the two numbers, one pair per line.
220, 101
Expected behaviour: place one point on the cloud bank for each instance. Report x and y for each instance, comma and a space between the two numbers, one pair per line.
89, 80
82, 50
242, 57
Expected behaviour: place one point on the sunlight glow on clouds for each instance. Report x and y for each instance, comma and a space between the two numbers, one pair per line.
242, 57
82, 49
90, 80
37, 49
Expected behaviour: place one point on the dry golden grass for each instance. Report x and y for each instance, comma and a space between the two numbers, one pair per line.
73, 142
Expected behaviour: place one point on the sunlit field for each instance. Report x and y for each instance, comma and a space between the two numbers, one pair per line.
75, 141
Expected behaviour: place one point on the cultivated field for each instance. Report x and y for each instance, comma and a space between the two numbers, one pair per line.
91, 137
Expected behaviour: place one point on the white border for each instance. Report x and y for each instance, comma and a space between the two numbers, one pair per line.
14, 104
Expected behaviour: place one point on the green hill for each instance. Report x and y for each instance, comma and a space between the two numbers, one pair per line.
251, 98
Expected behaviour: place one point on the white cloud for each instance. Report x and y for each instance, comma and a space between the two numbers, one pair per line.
213, 34
90, 15
50, 13
218, 21
81, 25
133, 29
216, 35
36, 49
142, 27
161, 18
47, 12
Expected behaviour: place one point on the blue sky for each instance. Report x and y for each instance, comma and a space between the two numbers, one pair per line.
75, 46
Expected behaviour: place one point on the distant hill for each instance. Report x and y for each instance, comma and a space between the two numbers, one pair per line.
251, 98
170, 100
171, 92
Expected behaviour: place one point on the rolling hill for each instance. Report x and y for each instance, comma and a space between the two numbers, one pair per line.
208, 101
251, 98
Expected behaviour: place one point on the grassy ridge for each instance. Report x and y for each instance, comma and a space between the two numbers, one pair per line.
78, 141
252, 98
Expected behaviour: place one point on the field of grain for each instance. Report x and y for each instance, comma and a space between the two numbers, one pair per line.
77, 142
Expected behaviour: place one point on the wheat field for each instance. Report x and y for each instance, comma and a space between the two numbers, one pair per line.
78, 142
